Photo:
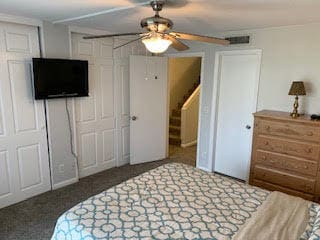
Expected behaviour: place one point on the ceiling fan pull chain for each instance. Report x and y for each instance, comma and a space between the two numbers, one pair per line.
155, 71
146, 72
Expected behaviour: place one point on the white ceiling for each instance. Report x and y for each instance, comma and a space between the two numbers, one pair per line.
197, 16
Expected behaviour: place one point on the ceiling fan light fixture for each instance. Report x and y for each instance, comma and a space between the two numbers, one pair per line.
156, 44
158, 36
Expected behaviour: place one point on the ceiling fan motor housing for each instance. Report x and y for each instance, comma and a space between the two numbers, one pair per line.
156, 23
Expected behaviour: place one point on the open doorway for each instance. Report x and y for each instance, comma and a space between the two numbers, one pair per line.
184, 101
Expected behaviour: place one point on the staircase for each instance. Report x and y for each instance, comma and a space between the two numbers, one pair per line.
175, 119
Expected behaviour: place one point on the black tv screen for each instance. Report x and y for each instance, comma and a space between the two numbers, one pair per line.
56, 78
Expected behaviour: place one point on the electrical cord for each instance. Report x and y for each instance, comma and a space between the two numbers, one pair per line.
71, 135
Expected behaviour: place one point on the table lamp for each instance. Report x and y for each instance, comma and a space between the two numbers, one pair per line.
297, 89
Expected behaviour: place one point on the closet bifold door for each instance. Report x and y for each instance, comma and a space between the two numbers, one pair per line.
24, 164
95, 115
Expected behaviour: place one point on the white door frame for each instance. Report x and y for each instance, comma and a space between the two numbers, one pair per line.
20, 20
216, 93
192, 54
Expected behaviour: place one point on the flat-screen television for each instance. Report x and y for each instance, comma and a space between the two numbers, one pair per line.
60, 78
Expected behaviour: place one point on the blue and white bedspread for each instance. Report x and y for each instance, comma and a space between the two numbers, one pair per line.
174, 201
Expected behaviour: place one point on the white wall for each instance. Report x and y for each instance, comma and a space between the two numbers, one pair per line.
58, 38
56, 45
289, 54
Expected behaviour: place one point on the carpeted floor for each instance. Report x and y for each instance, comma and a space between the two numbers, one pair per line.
183, 155
35, 218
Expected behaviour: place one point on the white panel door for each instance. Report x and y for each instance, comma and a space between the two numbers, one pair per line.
121, 75
238, 78
24, 165
148, 108
95, 115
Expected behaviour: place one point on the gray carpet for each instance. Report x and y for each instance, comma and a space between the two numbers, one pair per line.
183, 155
35, 218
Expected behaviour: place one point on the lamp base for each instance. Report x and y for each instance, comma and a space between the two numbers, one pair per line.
295, 113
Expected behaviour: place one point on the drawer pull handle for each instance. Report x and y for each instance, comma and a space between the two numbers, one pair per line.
309, 150
264, 158
310, 134
266, 143
307, 187
267, 128
305, 167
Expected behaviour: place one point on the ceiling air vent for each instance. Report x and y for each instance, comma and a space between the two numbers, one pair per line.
239, 40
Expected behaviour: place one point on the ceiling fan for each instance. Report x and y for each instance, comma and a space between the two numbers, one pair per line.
159, 36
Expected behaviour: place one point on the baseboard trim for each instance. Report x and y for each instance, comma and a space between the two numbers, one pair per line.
125, 160
204, 169
64, 183
184, 145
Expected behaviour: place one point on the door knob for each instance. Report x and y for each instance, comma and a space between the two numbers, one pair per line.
248, 127
133, 118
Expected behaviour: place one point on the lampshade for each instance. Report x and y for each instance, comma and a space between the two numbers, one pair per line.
156, 44
297, 89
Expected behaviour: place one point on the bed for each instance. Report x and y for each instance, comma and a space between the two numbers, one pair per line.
173, 201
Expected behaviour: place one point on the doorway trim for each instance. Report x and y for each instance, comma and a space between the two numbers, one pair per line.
216, 93
193, 54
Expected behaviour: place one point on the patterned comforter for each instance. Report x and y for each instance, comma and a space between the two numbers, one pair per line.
174, 201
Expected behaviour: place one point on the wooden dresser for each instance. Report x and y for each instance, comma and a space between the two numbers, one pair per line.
286, 154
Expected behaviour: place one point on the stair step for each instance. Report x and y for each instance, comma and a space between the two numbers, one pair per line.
174, 136
176, 112
174, 140
176, 130
175, 121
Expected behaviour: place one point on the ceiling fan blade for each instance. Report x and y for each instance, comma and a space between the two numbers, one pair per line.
112, 35
122, 45
176, 44
195, 37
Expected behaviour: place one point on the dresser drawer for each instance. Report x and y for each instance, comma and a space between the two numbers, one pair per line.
273, 187
289, 130
294, 164
284, 179
291, 147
